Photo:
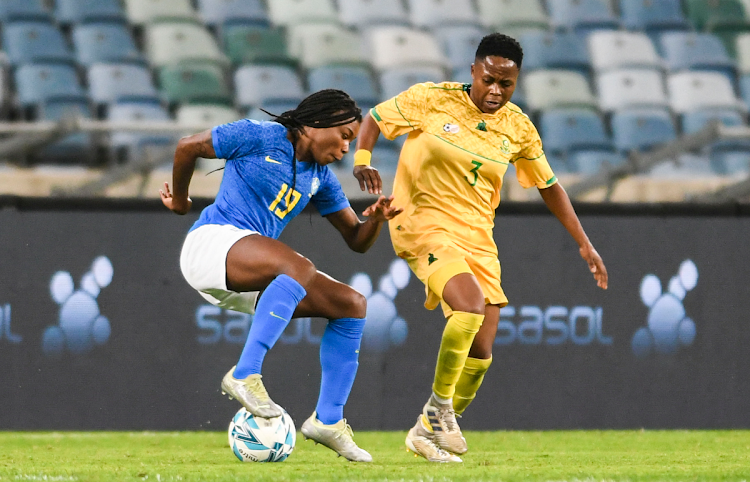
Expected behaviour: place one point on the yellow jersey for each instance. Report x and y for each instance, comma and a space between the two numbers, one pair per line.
451, 166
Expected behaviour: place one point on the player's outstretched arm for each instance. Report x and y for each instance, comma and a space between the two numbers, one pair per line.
558, 202
368, 176
188, 150
360, 235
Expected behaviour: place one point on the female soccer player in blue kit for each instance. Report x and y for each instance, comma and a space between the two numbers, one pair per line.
231, 253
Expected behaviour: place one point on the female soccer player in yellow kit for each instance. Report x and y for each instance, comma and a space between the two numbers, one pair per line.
461, 139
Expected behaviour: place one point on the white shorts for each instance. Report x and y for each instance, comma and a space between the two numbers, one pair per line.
203, 262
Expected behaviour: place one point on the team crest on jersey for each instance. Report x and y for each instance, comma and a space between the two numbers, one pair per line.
450, 128
505, 148
314, 186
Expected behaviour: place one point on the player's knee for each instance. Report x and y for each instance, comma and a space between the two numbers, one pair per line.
357, 304
474, 305
303, 271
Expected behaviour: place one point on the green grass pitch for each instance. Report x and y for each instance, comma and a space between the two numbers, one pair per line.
555, 455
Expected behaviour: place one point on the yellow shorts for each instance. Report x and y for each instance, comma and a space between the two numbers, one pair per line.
435, 264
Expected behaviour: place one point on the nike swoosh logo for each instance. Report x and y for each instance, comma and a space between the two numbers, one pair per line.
274, 314
268, 159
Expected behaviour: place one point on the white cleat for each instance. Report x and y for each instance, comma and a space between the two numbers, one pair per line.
251, 393
337, 437
422, 442
442, 421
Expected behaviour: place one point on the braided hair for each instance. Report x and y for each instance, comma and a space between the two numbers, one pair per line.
325, 108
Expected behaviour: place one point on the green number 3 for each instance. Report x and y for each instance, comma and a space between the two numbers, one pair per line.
292, 198
477, 165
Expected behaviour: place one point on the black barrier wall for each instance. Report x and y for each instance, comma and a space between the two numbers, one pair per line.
98, 329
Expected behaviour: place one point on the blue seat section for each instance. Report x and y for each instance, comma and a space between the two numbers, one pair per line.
582, 15
745, 88
593, 161
76, 148
104, 42
694, 121
110, 83
641, 129
127, 146
38, 83
27, 42
11, 10
557, 162
393, 82
555, 50
653, 16
460, 45
356, 81
78, 11
568, 130
219, 12
697, 51
257, 84
731, 162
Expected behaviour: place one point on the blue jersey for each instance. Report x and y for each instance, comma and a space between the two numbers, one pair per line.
256, 191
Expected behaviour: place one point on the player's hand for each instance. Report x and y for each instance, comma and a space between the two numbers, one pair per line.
596, 265
382, 210
176, 205
369, 178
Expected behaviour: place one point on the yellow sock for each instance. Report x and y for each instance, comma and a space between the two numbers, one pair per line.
454, 349
469, 382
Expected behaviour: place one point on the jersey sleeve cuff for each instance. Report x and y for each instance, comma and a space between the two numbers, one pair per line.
334, 209
215, 142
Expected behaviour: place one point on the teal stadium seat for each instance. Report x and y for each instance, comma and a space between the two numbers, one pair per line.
724, 18
221, 12
625, 88
194, 82
104, 42
170, 43
366, 13
290, 12
436, 13
79, 11
245, 44
546, 89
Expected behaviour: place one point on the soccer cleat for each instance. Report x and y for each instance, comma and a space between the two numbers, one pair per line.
251, 393
337, 437
422, 442
441, 419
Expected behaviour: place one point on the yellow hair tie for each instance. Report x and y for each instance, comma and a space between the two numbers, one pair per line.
362, 157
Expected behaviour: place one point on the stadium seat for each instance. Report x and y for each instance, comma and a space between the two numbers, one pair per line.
616, 49
743, 53
400, 46
141, 12
315, 45
557, 162
289, 12
631, 88
460, 45
722, 152
554, 50
78, 11
366, 13
38, 83
73, 149
641, 129
207, 114
557, 88
568, 130
104, 42
194, 83
501, 15
255, 44
745, 89
592, 161
220, 12
275, 107
27, 42
686, 166
257, 84
356, 81
706, 15
435, 13
683, 50
689, 91
732, 163
393, 82
172, 42
19, 10
582, 15
653, 17
110, 83
127, 146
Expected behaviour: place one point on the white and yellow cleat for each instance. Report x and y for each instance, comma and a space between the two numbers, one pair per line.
441, 420
337, 437
422, 442
251, 393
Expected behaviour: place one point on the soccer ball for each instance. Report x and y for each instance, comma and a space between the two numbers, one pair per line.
255, 439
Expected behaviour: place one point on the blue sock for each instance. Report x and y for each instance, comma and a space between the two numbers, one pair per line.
275, 308
339, 352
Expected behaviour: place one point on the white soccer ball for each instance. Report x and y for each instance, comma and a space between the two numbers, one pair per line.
255, 439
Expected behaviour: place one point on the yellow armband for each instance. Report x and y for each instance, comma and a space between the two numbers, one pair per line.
362, 158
